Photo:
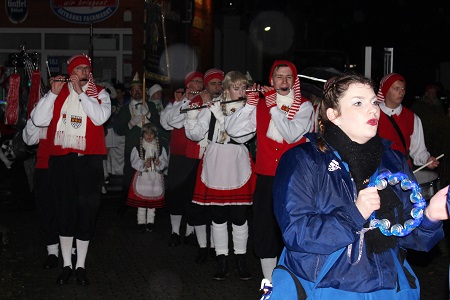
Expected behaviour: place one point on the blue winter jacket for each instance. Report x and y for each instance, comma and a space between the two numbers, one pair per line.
314, 204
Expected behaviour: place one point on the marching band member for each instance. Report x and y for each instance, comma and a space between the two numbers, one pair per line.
183, 164
280, 120
75, 112
225, 179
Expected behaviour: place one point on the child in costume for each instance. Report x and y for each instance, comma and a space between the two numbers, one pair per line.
147, 187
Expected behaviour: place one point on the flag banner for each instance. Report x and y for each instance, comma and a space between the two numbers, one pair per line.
156, 60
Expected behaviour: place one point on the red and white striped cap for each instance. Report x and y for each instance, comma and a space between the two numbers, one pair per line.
386, 83
213, 74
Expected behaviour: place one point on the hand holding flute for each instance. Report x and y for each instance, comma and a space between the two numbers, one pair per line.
253, 95
57, 84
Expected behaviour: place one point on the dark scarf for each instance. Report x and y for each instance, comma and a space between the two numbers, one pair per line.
363, 161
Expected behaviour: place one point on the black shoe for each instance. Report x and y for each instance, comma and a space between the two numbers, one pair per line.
142, 228
51, 262
202, 255
191, 239
80, 275
174, 240
150, 227
241, 265
65, 276
222, 268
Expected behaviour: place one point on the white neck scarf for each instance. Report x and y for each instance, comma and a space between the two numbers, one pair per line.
71, 127
151, 151
284, 103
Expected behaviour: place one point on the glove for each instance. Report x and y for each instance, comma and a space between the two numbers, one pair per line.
216, 109
252, 98
192, 114
271, 98
136, 121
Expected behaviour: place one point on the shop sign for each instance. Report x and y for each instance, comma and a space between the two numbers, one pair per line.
84, 11
17, 10
53, 64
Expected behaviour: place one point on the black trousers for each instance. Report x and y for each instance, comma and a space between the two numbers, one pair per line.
267, 238
181, 179
77, 188
45, 207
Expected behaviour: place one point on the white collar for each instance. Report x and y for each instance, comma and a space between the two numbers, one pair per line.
389, 111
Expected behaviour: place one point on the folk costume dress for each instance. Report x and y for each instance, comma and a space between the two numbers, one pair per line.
147, 186
133, 134
225, 174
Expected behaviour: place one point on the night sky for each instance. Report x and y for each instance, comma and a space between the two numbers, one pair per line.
419, 32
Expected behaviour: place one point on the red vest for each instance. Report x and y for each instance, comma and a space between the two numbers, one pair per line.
268, 151
406, 123
95, 136
181, 145
43, 154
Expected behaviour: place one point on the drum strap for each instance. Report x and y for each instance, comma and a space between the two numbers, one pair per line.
400, 134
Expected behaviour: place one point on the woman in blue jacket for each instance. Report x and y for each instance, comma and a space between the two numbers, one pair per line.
331, 196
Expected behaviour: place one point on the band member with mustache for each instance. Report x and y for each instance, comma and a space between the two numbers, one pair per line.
280, 119
75, 112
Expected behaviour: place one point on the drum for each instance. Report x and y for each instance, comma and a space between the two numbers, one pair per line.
429, 183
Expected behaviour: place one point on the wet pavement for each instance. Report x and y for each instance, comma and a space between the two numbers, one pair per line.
125, 264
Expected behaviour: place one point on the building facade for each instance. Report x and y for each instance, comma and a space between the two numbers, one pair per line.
112, 31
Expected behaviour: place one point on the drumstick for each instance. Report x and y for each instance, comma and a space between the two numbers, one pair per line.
418, 169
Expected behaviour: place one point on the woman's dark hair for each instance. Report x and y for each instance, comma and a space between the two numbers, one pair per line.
333, 91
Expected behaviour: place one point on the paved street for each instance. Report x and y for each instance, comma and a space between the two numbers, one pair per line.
125, 264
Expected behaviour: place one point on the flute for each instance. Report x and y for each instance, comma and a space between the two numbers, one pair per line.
259, 90
191, 92
184, 110
67, 80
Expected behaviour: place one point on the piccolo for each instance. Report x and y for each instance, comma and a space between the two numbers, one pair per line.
184, 91
236, 100
67, 80
259, 90
184, 110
